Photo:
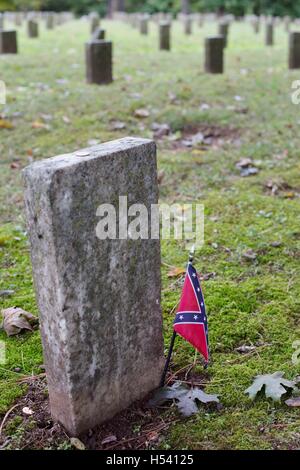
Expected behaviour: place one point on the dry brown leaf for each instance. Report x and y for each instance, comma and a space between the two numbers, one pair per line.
39, 125
77, 443
109, 439
175, 272
4, 124
293, 402
15, 320
141, 113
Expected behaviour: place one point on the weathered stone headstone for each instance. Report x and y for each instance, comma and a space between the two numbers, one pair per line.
269, 33
144, 26
188, 25
1, 21
223, 29
256, 25
99, 300
50, 20
294, 50
99, 62
99, 33
287, 23
165, 36
214, 54
18, 19
32, 28
95, 22
8, 42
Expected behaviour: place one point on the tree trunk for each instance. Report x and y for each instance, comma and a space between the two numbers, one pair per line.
185, 7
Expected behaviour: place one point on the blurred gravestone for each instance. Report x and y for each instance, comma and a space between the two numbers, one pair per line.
98, 56
50, 20
164, 36
214, 54
99, 33
94, 22
99, 299
269, 33
32, 28
8, 42
294, 50
144, 25
223, 31
188, 25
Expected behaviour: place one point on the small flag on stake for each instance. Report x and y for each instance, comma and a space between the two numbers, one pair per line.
191, 320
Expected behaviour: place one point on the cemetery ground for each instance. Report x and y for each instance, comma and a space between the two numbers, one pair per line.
250, 259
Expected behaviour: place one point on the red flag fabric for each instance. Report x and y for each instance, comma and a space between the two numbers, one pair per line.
191, 320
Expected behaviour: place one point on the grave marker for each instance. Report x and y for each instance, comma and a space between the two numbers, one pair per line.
99, 62
32, 28
164, 36
294, 50
8, 42
95, 22
223, 31
99, 300
214, 52
269, 33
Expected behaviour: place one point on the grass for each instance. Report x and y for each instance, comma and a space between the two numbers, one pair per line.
248, 302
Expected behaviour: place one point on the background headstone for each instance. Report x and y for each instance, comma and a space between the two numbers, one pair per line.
187, 25
99, 33
223, 29
98, 56
269, 33
99, 300
144, 26
50, 20
1, 21
294, 50
164, 36
32, 28
8, 42
95, 22
214, 54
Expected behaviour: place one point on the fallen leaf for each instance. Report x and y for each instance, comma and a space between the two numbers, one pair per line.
77, 443
275, 386
244, 349
244, 163
249, 172
185, 398
175, 272
66, 120
118, 125
15, 320
250, 255
4, 124
39, 125
27, 411
109, 439
293, 402
160, 130
141, 113
6, 293
15, 165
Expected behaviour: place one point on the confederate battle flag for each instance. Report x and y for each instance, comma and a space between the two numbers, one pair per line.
191, 320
